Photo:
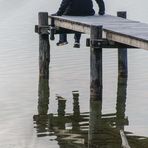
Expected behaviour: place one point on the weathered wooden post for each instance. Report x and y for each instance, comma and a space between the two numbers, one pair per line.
95, 63
122, 54
95, 82
44, 46
52, 29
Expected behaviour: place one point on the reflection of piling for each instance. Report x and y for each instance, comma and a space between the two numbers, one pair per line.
44, 46
76, 107
43, 94
121, 121
94, 122
61, 113
122, 54
76, 111
61, 108
121, 102
43, 101
96, 63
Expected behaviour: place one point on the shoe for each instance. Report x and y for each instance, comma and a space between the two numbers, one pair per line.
101, 12
76, 45
61, 43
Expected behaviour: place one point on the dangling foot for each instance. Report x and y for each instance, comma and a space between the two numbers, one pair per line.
76, 45
61, 43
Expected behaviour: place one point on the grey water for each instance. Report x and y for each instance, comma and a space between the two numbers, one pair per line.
30, 114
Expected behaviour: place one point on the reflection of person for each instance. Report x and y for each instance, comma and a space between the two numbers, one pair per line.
77, 8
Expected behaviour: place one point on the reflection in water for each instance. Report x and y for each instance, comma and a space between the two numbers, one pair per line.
121, 103
76, 112
43, 100
42, 118
95, 123
104, 128
86, 130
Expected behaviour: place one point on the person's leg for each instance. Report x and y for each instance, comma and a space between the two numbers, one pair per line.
77, 37
62, 39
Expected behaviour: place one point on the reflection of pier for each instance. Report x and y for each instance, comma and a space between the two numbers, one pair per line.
85, 130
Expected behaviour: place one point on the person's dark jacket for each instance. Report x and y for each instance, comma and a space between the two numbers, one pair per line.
76, 8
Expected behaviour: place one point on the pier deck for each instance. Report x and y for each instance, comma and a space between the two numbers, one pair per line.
128, 32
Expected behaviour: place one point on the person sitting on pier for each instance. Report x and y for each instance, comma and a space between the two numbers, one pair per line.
77, 8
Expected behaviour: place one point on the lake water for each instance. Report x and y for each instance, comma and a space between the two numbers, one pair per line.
31, 117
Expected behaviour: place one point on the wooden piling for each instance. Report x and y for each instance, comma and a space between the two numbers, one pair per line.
122, 53
52, 29
44, 46
95, 64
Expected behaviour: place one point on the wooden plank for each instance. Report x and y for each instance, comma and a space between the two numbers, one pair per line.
90, 19
72, 25
125, 39
116, 29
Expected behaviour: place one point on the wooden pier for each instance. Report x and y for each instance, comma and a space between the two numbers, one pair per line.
116, 29
105, 32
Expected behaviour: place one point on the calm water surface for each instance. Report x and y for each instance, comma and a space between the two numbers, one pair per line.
31, 114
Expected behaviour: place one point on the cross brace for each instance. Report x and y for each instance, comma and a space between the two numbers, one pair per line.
104, 43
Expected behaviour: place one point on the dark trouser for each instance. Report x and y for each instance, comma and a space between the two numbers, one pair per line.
63, 37
77, 36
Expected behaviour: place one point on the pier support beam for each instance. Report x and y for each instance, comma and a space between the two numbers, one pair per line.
95, 64
44, 46
52, 29
122, 54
